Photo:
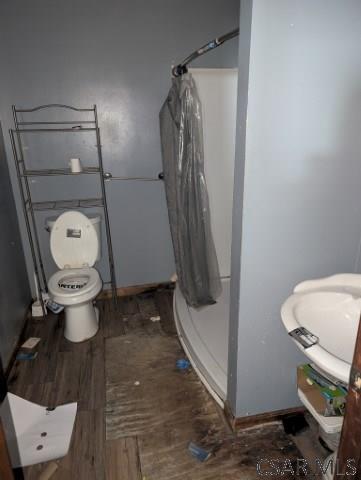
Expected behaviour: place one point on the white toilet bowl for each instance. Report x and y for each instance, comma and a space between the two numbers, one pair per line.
74, 244
76, 289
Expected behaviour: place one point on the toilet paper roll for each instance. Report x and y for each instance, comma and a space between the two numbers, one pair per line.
75, 165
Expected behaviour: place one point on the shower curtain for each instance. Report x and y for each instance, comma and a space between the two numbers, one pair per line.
186, 192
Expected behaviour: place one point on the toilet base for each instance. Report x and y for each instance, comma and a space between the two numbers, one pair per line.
81, 322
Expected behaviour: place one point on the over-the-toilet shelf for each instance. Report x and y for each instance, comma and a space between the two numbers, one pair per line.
25, 125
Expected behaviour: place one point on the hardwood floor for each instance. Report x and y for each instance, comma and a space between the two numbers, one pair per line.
130, 431
65, 372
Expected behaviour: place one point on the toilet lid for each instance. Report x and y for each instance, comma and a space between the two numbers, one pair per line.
73, 241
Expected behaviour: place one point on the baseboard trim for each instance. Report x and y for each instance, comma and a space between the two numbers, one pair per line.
239, 423
134, 289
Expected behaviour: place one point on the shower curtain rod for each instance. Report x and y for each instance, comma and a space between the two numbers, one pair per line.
180, 69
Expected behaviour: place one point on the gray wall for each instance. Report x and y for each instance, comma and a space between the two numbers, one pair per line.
300, 203
14, 286
117, 54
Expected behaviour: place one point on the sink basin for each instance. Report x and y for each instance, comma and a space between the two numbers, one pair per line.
322, 316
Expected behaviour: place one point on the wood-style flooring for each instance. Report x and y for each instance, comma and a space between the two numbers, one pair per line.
136, 412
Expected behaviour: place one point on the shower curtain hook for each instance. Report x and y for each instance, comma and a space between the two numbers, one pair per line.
179, 70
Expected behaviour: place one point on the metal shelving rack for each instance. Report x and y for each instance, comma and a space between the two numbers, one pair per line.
23, 174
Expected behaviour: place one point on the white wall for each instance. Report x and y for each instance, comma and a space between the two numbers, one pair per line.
300, 208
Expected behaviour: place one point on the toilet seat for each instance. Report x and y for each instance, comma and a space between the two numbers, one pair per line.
73, 286
73, 241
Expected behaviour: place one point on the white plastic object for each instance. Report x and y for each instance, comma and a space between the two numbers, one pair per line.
36, 434
36, 309
75, 165
329, 308
95, 219
329, 424
74, 241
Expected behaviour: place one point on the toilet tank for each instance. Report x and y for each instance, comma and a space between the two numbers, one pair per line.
96, 222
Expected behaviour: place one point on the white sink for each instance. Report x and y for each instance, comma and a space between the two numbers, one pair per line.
329, 309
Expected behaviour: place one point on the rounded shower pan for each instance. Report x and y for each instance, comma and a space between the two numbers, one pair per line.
203, 334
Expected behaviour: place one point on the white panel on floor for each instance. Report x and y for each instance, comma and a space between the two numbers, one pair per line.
36, 434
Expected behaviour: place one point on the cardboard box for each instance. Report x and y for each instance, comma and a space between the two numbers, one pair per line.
326, 398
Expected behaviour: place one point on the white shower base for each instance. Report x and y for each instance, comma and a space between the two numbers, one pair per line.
204, 336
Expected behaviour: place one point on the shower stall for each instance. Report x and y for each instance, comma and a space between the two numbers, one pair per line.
203, 331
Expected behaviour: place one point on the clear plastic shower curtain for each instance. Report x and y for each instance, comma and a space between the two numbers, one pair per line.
186, 192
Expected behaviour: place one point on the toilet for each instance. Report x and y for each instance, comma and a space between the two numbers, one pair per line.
75, 247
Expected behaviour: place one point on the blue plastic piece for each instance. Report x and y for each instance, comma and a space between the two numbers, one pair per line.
26, 356
198, 452
54, 307
183, 364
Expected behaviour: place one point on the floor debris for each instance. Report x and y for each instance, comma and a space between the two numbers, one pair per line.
183, 364
48, 471
198, 452
26, 355
148, 428
31, 343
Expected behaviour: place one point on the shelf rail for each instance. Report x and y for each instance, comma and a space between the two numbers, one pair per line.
75, 129
59, 171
